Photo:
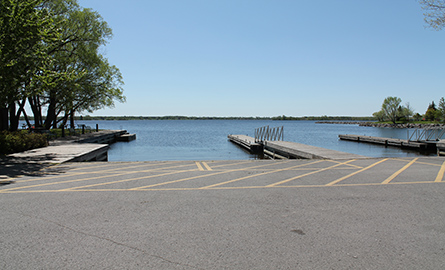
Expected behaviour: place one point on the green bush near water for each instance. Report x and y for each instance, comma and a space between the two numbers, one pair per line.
19, 141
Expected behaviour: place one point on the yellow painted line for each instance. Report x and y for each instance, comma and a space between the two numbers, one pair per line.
92, 178
126, 180
179, 180
259, 174
354, 173
219, 188
306, 174
200, 176
394, 175
207, 166
439, 176
350, 165
389, 184
232, 163
427, 163
91, 172
199, 166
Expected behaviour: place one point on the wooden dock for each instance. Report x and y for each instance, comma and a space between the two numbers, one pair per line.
283, 149
389, 141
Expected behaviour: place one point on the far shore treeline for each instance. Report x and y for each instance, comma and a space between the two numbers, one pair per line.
179, 117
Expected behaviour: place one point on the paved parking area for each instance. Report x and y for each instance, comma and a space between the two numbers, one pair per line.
384, 213
207, 175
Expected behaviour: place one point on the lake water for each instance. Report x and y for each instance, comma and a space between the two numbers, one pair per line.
207, 139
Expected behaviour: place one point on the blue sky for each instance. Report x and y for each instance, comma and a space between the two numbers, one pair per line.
270, 58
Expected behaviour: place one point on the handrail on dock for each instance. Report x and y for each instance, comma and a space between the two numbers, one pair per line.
426, 134
269, 134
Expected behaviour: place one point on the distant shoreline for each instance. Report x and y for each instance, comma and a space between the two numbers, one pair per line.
283, 117
375, 124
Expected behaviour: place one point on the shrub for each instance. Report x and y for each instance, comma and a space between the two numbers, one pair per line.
19, 141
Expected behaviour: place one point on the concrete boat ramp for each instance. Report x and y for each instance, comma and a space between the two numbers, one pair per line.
284, 149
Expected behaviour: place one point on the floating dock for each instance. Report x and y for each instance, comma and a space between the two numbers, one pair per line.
126, 137
298, 150
247, 143
390, 141
441, 148
283, 149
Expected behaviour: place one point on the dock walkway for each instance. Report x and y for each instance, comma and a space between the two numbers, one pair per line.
298, 150
386, 141
284, 149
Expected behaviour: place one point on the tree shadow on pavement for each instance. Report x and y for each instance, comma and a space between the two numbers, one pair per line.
11, 167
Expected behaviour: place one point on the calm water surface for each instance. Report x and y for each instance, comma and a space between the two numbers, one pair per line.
207, 139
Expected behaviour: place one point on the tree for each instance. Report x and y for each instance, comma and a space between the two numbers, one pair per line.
407, 111
49, 57
434, 13
430, 114
390, 107
441, 110
380, 115
417, 117
82, 79
24, 28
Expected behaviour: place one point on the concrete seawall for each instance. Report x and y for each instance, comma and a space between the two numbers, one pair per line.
86, 147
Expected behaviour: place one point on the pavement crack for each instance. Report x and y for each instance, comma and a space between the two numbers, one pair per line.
106, 239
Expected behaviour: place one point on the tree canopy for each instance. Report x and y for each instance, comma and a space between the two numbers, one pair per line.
434, 13
49, 57
390, 107
391, 110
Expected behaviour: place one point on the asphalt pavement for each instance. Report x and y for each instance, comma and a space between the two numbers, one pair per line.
384, 213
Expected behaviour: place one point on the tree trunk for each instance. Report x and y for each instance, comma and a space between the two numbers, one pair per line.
64, 120
22, 109
72, 119
36, 110
51, 112
13, 117
4, 119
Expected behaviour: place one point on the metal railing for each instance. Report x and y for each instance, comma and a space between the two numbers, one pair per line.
426, 134
269, 134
